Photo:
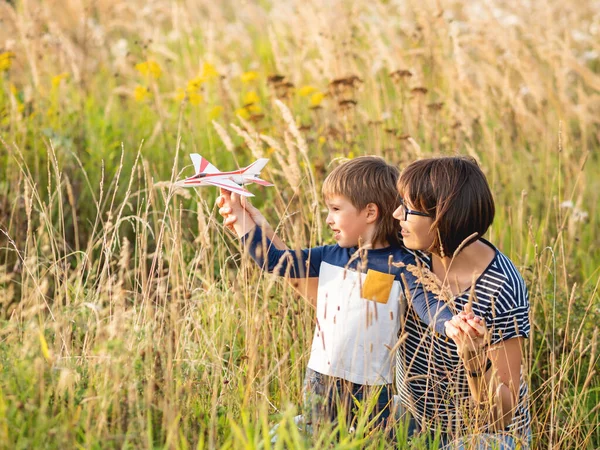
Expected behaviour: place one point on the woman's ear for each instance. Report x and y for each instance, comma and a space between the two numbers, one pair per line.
372, 212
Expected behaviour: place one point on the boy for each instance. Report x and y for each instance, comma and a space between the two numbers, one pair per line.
359, 287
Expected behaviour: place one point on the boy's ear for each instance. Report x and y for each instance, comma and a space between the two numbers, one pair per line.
372, 212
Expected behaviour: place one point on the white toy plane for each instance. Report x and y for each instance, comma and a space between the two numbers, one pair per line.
207, 174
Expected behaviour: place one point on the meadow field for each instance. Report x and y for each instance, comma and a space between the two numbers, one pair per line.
130, 318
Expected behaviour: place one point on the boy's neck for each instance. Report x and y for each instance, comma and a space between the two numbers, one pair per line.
380, 244
366, 240
373, 246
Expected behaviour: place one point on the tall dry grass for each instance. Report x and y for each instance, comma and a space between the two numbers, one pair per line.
129, 318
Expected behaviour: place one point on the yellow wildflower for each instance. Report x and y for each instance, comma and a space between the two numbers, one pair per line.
316, 98
195, 84
6, 61
52, 111
305, 91
149, 69
215, 112
254, 108
179, 95
13, 89
56, 79
209, 71
141, 93
195, 98
251, 98
248, 77
322, 140
243, 113
44, 346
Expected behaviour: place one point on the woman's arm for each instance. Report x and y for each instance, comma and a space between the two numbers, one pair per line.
497, 386
242, 217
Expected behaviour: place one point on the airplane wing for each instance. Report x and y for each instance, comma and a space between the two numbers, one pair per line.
202, 165
229, 185
260, 181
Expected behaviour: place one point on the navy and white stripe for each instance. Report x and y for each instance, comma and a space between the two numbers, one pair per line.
430, 377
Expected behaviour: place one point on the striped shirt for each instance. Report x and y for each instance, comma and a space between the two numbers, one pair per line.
430, 377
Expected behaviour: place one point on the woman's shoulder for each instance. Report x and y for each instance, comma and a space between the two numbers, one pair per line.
503, 284
502, 266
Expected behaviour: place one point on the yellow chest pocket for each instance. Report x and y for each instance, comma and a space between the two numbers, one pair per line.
377, 286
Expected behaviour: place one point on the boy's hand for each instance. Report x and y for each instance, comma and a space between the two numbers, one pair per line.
230, 208
233, 206
236, 217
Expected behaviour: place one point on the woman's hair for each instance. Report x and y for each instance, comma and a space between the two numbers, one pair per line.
455, 192
364, 180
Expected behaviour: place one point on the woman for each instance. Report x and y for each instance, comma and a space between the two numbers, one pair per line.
470, 387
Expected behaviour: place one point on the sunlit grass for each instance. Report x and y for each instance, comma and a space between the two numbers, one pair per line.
131, 318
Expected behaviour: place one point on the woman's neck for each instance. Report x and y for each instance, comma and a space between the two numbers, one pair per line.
461, 271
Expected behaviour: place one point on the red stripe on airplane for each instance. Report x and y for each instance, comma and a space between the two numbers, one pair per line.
203, 164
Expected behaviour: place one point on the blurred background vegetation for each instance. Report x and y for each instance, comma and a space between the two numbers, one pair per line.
129, 318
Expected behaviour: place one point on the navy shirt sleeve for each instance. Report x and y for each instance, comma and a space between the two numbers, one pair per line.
297, 264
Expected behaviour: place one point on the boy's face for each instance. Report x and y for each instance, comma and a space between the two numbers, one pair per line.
347, 222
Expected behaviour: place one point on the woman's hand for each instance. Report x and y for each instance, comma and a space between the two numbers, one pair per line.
468, 332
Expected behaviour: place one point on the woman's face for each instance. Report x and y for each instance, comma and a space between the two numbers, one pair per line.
416, 232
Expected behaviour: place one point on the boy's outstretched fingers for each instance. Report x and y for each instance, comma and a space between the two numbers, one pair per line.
225, 196
225, 211
224, 203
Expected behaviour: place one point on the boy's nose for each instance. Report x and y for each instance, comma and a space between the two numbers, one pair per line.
328, 219
397, 214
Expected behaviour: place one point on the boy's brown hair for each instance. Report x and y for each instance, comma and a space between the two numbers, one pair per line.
364, 180
455, 192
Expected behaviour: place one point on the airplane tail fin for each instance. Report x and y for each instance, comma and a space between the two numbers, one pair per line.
255, 167
201, 165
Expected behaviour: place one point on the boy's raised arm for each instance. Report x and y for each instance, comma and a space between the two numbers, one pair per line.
250, 225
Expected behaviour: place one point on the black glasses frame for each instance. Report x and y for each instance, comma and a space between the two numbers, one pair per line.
408, 211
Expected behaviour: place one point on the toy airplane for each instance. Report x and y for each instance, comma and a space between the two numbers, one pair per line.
207, 174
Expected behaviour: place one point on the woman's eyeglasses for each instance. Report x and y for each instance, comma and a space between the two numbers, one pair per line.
408, 211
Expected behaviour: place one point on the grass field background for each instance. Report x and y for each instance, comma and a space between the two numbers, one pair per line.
130, 318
